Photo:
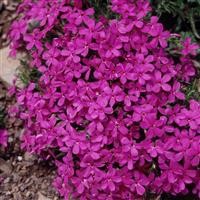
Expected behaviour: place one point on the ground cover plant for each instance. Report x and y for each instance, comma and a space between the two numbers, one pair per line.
107, 104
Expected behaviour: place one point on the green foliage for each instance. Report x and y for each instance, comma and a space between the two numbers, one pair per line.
191, 90
102, 8
99, 5
179, 15
2, 116
27, 74
168, 6
174, 46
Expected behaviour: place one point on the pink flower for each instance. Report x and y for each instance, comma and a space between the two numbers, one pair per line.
51, 56
154, 126
160, 36
18, 29
114, 95
140, 181
117, 126
176, 93
70, 54
194, 153
125, 72
32, 41
161, 82
140, 112
111, 179
189, 48
189, 117
99, 110
77, 142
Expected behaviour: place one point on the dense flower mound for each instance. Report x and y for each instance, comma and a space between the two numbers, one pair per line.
109, 100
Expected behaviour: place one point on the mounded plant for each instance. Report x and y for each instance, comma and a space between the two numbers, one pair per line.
108, 105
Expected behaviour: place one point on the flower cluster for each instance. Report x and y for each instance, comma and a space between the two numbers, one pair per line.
108, 100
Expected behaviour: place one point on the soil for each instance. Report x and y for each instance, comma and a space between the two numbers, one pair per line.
7, 15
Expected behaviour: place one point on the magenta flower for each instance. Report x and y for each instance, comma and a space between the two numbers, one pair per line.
51, 56
154, 151
178, 174
32, 41
143, 67
112, 48
161, 82
47, 16
76, 141
117, 126
188, 117
125, 72
90, 166
176, 93
70, 54
110, 180
124, 27
93, 30
114, 95
189, 48
154, 127
130, 153
94, 151
18, 29
194, 153
81, 183
99, 110
160, 36
140, 112
140, 182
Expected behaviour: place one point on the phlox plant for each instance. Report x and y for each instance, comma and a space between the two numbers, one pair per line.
108, 106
